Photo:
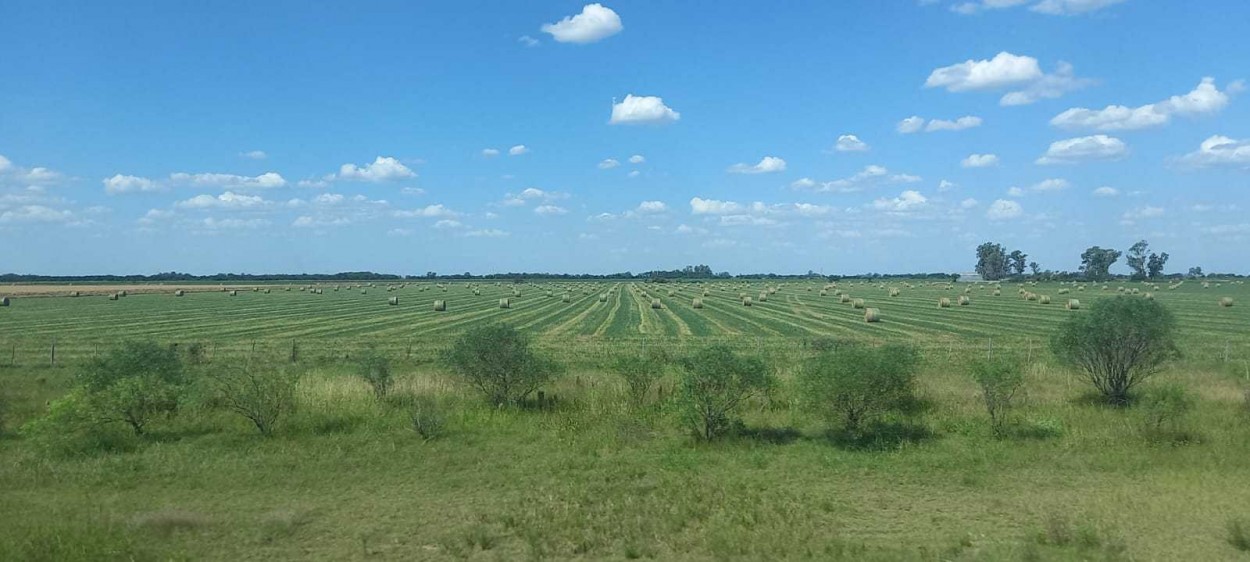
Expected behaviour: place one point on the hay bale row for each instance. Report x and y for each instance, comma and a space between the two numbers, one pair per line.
872, 315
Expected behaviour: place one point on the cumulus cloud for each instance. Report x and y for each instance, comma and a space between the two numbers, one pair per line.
850, 143
548, 210
1219, 150
35, 214
916, 124
979, 161
652, 207
518, 150
120, 183
1021, 74
1003, 209
447, 224
642, 110
227, 200
429, 211
268, 180
870, 176
486, 233
637, 159
1141, 213
527, 41
594, 23
767, 165
1205, 98
699, 206
944, 186
1080, 149
210, 223
383, 168
968, 203
608, 164
490, 152
909, 200
254, 155
1106, 191
1071, 7
1053, 184
911, 124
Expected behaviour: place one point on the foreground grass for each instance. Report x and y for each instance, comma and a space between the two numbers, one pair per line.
347, 478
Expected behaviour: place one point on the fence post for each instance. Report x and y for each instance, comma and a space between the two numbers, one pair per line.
54, 351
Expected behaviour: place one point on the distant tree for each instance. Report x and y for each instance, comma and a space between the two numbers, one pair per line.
1096, 262
991, 261
1154, 265
1118, 343
1138, 257
1017, 261
1034, 268
1195, 272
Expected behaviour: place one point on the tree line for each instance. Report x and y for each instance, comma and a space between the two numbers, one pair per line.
994, 262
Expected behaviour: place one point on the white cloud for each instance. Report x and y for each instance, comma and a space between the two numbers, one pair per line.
126, 184
700, 206
447, 224
608, 164
870, 176
227, 200
979, 161
1205, 98
965, 122
429, 211
211, 223
1071, 7
850, 143
803, 183
634, 174
1015, 192
412, 191
909, 200
5, 163
1003, 209
1219, 150
1106, 191
642, 110
973, 7
35, 214
383, 168
1141, 213
596, 22
652, 207
944, 186
518, 150
155, 215
637, 159
487, 233
968, 203
911, 124
746, 220
254, 155
1053, 184
1096, 147
490, 152
527, 41
1021, 73
547, 210
767, 165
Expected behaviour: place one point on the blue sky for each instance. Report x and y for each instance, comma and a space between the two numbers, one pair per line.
405, 137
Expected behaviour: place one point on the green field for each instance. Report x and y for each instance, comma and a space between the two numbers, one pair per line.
594, 478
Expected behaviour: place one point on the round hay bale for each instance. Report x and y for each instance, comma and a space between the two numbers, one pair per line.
364, 291
4, 301
944, 302
603, 297
998, 292
746, 301
1226, 302
113, 296
824, 293
121, 293
844, 298
234, 293
1032, 297
1073, 304
266, 291
1044, 299
179, 293
73, 293
893, 293
393, 301
567, 298
655, 304
696, 303
505, 303
1149, 296
763, 297
857, 304
872, 315
964, 300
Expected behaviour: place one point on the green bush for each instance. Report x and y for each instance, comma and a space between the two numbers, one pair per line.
1164, 410
714, 385
262, 393
498, 361
1118, 343
1001, 380
375, 368
132, 384
427, 417
858, 384
641, 372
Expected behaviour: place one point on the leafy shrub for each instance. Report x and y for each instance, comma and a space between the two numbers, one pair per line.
497, 361
1118, 343
375, 368
857, 384
427, 417
132, 384
1164, 411
715, 384
641, 372
262, 393
1000, 379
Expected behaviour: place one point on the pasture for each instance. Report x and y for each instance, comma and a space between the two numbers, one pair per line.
592, 477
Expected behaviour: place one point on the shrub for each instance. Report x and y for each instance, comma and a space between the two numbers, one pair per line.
427, 417
375, 368
264, 394
498, 361
858, 383
132, 384
1164, 412
715, 384
1119, 343
1000, 379
641, 372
